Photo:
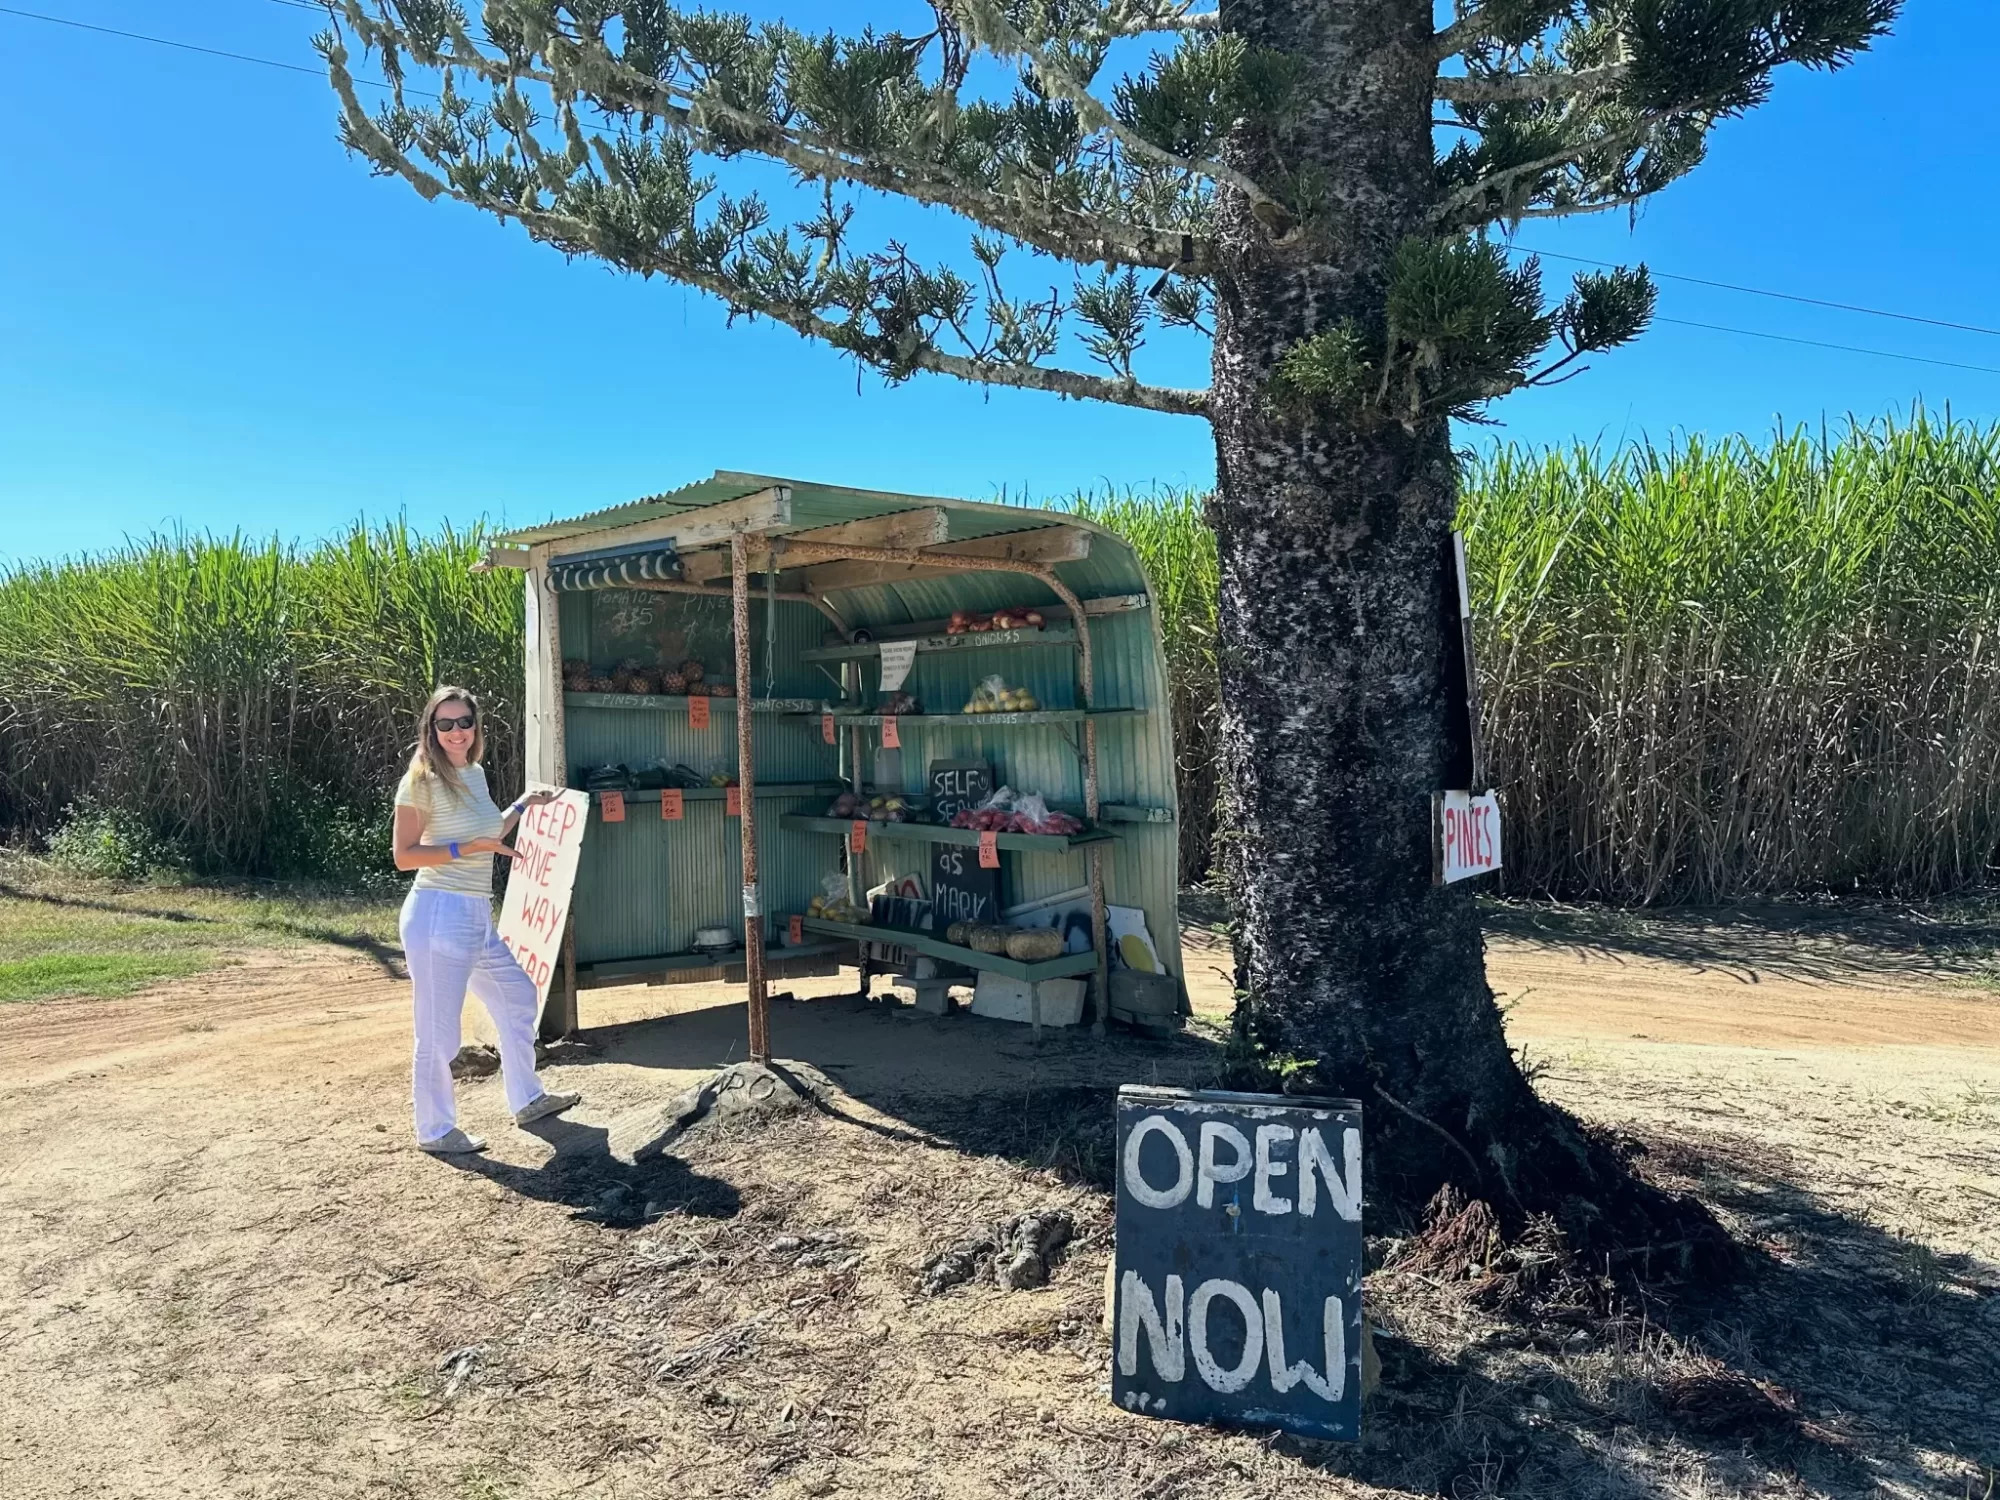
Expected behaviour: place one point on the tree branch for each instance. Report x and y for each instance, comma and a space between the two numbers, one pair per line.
1467, 31
573, 236
1140, 17
1066, 233
990, 27
1569, 210
1512, 88
1451, 213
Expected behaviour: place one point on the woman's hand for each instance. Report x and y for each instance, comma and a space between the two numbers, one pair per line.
536, 799
485, 846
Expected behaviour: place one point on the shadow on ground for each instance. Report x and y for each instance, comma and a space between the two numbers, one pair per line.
584, 1176
1842, 1360
1828, 942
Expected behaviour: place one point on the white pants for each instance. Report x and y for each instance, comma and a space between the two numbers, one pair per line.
450, 944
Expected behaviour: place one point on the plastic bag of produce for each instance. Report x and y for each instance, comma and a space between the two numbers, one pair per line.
1032, 812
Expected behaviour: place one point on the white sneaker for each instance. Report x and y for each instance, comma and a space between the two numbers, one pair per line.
454, 1142
542, 1108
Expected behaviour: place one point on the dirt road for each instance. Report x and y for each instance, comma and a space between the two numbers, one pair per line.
226, 1272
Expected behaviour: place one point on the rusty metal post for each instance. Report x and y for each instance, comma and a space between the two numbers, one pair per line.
746, 778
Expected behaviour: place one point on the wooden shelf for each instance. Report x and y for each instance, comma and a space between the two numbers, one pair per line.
1049, 968
1052, 635
937, 833
695, 966
1039, 716
668, 703
719, 793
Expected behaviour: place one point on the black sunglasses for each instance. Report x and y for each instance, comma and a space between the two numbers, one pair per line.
465, 723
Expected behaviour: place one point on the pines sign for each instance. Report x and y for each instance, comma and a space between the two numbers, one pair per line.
1238, 1291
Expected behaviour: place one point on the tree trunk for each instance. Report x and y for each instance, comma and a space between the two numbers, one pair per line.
1361, 978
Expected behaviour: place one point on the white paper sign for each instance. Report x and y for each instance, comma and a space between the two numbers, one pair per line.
547, 843
896, 659
1468, 835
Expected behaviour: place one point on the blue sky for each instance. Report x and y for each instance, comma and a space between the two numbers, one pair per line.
210, 317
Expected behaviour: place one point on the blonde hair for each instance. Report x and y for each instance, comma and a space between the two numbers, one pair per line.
429, 762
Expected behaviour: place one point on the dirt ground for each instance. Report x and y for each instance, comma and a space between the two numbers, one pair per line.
226, 1272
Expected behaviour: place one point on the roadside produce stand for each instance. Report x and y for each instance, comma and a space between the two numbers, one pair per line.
824, 726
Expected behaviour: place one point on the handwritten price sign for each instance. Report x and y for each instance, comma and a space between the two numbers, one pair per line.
547, 844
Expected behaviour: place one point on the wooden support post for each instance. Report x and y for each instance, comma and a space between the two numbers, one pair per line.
746, 777
559, 1014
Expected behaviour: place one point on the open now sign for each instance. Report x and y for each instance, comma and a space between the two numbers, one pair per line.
1238, 1268
1465, 835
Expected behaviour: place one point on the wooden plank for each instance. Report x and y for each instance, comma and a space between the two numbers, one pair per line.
803, 962
719, 794
925, 527
1042, 547
1057, 635
544, 731
498, 556
999, 963
1039, 716
1044, 544
667, 703
922, 528
935, 833
767, 510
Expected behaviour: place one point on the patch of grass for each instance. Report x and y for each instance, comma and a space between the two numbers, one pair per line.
63, 934
98, 974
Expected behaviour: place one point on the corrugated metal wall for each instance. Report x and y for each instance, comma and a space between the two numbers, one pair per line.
645, 885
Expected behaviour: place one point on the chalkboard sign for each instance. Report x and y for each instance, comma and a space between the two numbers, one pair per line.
1238, 1261
657, 629
957, 786
960, 890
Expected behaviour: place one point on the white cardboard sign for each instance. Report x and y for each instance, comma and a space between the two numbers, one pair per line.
547, 843
1467, 834
896, 659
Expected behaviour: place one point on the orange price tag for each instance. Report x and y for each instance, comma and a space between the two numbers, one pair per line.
857, 836
732, 802
795, 930
698, 711
826, 729
673, 807
892, 737
989, 850
612, 804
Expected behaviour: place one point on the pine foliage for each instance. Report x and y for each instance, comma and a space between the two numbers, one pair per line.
1085, 143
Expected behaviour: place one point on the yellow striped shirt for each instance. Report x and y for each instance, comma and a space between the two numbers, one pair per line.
454, 820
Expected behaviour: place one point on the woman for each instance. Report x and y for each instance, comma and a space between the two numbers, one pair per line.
448, 830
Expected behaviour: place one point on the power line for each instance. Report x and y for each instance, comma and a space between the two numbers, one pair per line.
1758, 291
244, 57
1785, 338
161, 41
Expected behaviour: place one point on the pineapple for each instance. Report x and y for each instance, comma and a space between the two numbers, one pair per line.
691, 670
673, 682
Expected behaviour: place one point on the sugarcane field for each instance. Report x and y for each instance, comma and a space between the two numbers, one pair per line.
1187, 750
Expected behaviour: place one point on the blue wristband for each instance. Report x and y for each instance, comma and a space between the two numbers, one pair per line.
454, 850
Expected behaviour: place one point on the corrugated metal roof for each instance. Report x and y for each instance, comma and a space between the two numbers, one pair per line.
812, 505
